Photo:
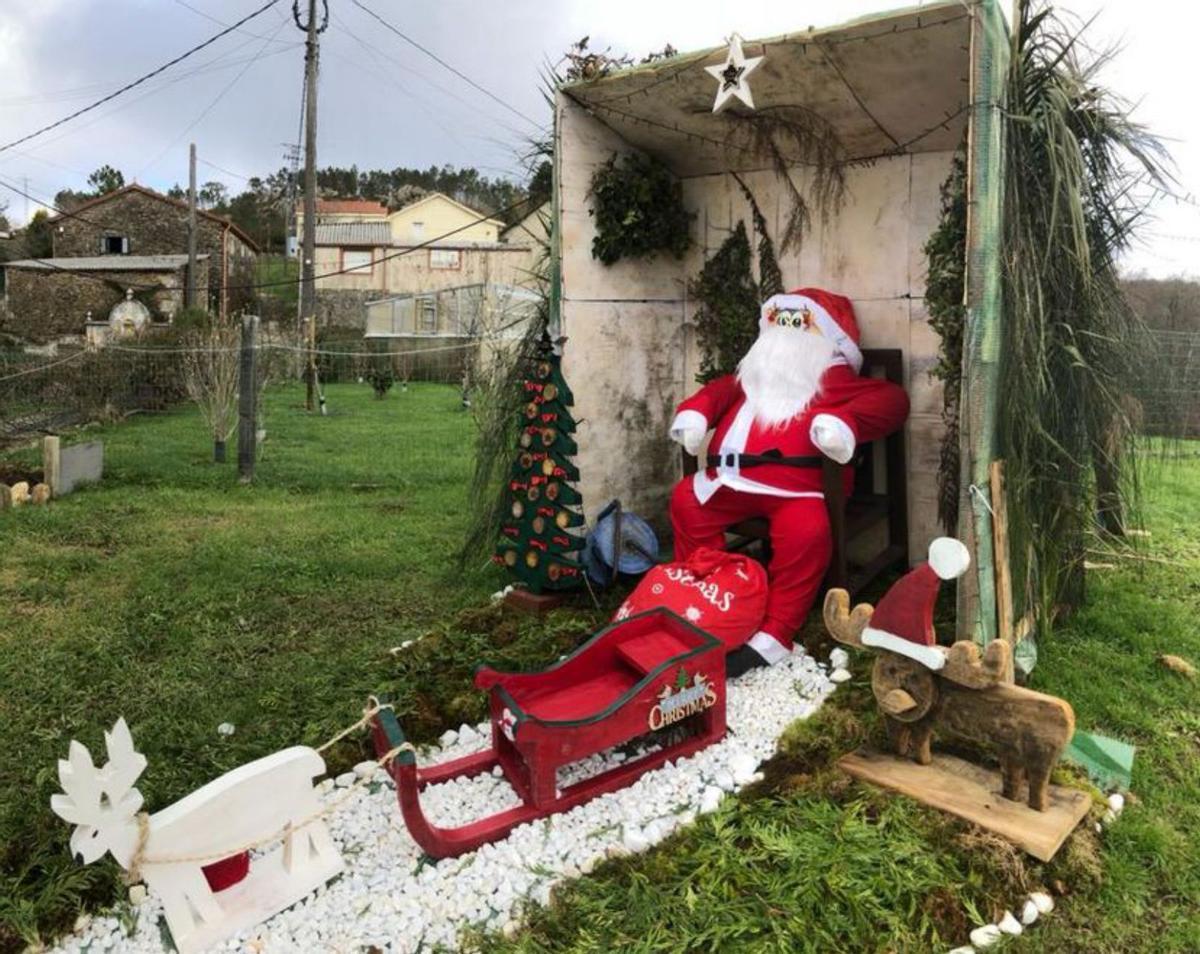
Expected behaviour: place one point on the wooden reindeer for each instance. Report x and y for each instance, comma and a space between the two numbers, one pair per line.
257, 803
955, 690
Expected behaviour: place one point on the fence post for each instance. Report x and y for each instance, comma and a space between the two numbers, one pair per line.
52, 463
247, 400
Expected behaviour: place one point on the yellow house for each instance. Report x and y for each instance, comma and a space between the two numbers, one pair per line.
439, 215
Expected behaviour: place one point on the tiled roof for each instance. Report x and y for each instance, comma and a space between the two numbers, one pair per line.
105, 263
351, 206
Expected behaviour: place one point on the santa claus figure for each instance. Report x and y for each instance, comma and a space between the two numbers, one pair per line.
797, 396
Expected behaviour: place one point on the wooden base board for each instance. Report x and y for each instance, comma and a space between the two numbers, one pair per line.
537, 603
973, 792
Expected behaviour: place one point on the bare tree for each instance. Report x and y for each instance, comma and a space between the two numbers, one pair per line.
210, 374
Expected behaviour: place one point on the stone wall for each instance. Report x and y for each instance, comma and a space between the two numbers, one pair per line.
344, 307
46, 305
156, 225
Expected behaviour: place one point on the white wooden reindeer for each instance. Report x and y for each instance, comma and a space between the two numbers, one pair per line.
246, 807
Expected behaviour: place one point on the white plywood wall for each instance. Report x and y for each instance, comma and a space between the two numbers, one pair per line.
630, 356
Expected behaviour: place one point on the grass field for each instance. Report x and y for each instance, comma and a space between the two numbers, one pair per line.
174, 597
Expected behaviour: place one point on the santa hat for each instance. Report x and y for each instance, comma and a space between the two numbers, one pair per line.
833, 314
903, 621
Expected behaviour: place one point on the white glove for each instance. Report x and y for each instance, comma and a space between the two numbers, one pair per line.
688, 429
690, 438
833, 437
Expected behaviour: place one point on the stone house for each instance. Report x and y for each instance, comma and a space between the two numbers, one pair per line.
48, 302
98, 248
369, 259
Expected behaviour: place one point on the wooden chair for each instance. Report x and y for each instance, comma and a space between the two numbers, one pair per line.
867, 508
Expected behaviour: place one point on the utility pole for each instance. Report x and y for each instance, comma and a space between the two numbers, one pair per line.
308, 295
189, 300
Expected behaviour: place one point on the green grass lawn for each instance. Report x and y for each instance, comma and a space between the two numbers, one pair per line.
177, 598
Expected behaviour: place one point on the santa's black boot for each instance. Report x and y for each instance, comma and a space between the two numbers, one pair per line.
741, 660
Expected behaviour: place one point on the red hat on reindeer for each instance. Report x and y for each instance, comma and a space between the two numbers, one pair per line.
903, 621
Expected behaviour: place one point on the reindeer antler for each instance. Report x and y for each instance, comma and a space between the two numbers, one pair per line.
965, 666
99, 801
846, 625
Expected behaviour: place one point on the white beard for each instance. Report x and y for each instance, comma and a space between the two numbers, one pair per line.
781, 373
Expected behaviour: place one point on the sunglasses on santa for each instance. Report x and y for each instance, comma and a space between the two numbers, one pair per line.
790, 318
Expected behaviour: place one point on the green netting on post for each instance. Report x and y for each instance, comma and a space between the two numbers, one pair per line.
981, 346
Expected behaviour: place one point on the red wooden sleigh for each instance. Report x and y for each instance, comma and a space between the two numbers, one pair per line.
648, 672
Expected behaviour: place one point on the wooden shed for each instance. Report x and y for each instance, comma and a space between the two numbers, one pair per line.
901, 90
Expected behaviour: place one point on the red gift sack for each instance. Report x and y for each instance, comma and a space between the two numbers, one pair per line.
721, 593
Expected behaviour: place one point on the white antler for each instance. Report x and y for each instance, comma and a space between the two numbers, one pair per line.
101, 802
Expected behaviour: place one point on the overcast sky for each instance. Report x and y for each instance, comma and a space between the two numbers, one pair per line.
385, 104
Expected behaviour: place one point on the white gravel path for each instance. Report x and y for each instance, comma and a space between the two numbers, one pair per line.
389, 899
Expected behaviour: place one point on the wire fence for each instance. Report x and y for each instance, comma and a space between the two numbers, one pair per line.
46, 391
1169, 392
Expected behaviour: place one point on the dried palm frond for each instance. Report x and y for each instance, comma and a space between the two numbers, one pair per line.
786, 136
1071, 347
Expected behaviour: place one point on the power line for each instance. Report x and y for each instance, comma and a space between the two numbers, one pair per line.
141, 79
212, 105
228, 172
212, 19
376, 52
437, 59
212, 66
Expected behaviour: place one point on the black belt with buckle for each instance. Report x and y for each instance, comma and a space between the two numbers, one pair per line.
742, 461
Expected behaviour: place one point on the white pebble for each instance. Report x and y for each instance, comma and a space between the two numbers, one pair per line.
1010, 925
838, 658
965, 949
840, 675
226, 728
1116, 803
710, 799
448, 738
366, 769
137, 894
344, 780
634, 841
1029, 913
985, 936
1045, 903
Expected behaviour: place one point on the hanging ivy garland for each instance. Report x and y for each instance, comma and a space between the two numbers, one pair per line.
638, 207
727, 318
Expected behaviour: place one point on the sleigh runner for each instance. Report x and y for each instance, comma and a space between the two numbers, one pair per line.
643, 674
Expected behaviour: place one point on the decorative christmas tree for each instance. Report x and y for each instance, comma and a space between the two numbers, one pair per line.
537, 543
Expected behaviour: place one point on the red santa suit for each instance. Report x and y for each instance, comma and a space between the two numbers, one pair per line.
845, 411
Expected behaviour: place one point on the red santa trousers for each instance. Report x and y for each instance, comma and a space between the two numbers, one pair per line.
801, 545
